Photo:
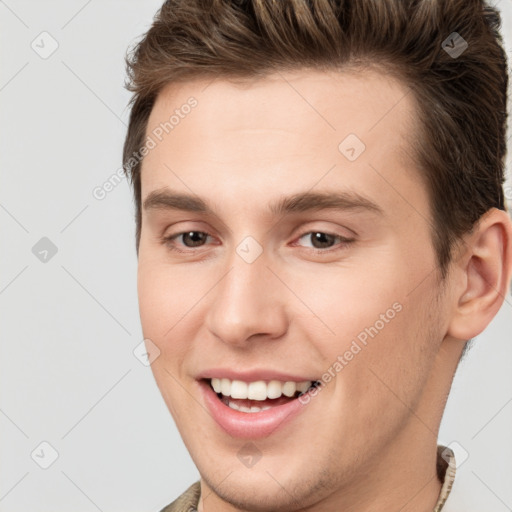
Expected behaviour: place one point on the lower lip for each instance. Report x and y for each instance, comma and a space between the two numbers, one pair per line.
246, 425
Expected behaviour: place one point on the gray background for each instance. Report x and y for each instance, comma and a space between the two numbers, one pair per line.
70, 323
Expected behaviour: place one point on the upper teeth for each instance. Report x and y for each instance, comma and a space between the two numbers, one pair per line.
259, 390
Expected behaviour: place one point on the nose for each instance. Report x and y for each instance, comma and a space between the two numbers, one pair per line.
248, 303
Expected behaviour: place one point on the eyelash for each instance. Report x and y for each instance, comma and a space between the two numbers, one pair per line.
169, 241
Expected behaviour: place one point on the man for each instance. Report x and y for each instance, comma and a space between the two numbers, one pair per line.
321, 228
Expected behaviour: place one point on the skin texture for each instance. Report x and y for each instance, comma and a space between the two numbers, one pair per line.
367, 441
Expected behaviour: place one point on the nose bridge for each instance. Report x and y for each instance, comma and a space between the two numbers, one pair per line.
246, 300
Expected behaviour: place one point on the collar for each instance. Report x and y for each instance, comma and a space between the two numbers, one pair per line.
445, 473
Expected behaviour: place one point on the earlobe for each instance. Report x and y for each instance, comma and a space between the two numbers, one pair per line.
487, 254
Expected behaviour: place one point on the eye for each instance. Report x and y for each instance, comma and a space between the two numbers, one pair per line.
196, 239
323, 241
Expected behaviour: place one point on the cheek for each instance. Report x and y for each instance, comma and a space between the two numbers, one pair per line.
346, 301
154, 297
366, 318
163, 306
172, 302
163, 301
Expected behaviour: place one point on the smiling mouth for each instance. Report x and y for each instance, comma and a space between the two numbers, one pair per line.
258, 396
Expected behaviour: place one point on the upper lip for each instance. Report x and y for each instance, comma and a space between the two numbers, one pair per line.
252, 375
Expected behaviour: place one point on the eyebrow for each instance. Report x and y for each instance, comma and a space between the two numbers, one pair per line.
296, 203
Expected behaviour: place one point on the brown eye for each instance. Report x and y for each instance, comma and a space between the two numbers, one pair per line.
190, 240
321, 240
196, 238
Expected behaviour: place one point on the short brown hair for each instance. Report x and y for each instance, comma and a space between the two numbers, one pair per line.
461, 145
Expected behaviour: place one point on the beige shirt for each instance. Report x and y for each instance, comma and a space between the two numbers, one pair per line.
189, 500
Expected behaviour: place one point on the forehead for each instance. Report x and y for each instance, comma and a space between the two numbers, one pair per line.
287, 130
359, 101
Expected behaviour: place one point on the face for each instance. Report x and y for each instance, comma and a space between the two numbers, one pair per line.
303, 254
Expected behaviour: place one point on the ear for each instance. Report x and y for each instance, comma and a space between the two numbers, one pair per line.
485, 269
